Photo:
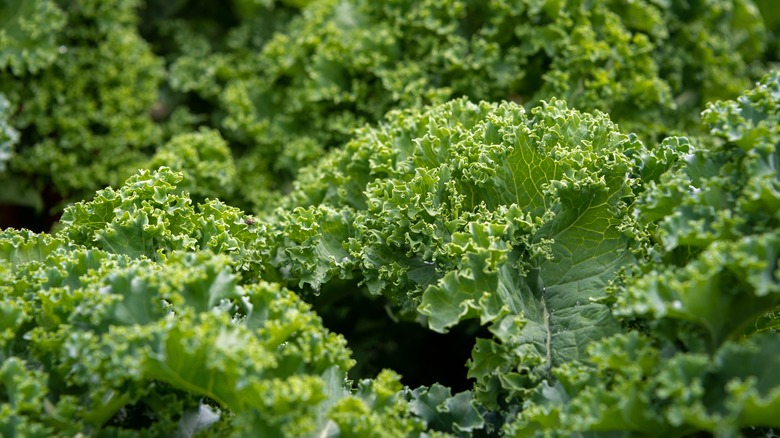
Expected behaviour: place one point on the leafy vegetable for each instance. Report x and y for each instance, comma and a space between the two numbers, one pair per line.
441, 218
342, 64
79, 131
479, 211
701, 303
526, 222
24, 44
150, 217
284, 81
168, 325
155, 332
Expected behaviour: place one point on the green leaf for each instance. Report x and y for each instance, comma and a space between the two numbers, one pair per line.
196, 420
715, 215
444, 412
205, 161
30, 35
150, 216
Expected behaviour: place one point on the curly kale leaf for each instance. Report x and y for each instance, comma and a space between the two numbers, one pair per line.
629, 385
84, 114
95, 342
715, 217
484, 211
151, 215
205, 160
285, 96
700, 308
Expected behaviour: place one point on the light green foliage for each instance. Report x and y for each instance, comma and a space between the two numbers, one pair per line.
377, 404
206, 45
703, 301
284, 81
605, 282
632, 386
716, 215
343, 63
159, 337
154, 332
84, 113
146, 314
478, 211
29, 35
465, 208
205, 161
526, 221
151, 216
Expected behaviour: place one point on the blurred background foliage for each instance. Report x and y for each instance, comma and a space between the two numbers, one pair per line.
92, 90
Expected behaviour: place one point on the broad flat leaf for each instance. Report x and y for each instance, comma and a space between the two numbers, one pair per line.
444, 412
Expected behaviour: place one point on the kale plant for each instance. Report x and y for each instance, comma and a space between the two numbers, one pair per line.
347, 218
